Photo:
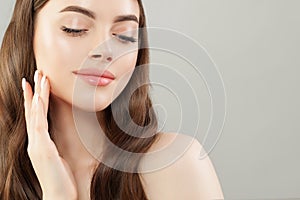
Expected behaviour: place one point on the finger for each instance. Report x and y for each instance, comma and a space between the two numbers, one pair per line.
39, 121
27, 92
31, 128
45, 91
37, 81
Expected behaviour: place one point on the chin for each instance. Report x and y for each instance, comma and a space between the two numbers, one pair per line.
89, 107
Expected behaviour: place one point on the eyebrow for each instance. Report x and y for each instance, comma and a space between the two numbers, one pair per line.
122, 18
81, 10
92, 15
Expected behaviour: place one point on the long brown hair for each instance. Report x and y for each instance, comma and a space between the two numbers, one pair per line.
18, 179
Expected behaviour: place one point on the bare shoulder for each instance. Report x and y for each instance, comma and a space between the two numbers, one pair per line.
187, 177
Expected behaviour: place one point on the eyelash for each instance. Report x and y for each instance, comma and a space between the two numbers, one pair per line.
74, 32
125, 38
80, 32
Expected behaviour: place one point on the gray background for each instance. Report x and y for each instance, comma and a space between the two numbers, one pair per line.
255, 44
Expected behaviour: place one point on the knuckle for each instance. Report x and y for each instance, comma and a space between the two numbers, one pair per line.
48, 152
31, 152
27, 117
38, 128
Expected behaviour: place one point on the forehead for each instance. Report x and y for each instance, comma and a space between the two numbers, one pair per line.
103, 9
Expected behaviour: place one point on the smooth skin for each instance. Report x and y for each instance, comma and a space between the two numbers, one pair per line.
53, 171
63, 166
187, 178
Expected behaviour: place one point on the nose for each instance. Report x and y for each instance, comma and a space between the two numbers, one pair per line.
102, 53
102, 56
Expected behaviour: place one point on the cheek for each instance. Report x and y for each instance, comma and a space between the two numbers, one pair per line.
54, 51
123, 68
125, 64
57, 57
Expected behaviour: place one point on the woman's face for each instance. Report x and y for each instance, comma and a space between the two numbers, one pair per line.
75, 40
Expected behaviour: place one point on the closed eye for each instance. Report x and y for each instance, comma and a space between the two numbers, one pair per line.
125, 38
80, 32
74, 32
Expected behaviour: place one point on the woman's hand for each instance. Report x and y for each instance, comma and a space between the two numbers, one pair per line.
54, 174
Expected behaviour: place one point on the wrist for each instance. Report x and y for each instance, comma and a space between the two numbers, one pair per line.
59, 197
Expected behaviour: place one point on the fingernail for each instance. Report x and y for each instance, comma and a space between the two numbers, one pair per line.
43, 81
36, 76
36, 98
23, 83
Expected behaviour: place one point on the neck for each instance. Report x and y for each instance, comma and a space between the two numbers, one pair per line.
75, 133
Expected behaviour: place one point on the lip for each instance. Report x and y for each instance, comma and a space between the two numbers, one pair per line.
95, 77
95, 72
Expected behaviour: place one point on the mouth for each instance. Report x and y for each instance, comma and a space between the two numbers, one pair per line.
95, 77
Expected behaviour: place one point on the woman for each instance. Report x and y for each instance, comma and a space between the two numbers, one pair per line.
42, 155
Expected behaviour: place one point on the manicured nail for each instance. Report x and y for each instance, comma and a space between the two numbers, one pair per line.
36, 76
43, 81
23, 83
